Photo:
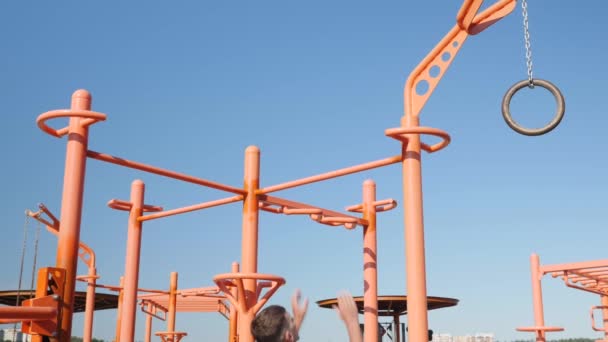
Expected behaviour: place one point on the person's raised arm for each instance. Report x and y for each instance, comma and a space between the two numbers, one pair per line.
299, 311
347, 310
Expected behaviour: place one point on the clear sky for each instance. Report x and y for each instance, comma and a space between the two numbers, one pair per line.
188, 85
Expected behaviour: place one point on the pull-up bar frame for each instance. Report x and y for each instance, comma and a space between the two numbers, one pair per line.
469, 22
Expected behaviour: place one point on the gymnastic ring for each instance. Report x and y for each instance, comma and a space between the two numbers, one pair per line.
559, 113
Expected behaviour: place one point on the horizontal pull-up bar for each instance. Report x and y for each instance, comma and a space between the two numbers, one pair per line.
162, 172
27, 313
194, 207
332, 174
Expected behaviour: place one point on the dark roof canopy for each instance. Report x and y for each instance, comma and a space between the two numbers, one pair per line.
103, 301
394, 305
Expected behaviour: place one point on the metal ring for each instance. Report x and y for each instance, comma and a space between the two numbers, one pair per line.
559, 114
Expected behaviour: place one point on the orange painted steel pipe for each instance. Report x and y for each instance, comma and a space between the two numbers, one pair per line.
195, 207
87, 118
234, 313
27, 313
249, 257
148, 333
440, 58
119, 309
287, 207
162, 172
132, 259
370, 264
605, 315
537, 295
332, 174
71, 208
414, 236
172, 303
89, 310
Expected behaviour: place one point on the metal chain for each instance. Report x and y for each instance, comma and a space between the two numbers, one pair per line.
524, 7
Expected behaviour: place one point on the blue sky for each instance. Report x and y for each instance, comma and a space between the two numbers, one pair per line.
189, 85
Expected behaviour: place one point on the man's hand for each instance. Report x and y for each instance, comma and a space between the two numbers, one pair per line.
348, 312
299, 311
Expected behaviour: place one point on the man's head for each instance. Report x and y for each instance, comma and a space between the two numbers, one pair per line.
274, 324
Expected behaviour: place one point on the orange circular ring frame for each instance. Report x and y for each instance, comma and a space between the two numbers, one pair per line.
401, 132
67, 113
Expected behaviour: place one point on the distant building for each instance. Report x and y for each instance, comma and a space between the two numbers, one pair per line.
14, 335
478, 337
442, 338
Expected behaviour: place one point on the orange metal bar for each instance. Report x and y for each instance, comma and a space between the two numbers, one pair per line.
89, 310
119, 288
291, 207
129, 300
71, 208
234, 313
162, 172
17, 313
195, 207
172, 303
467, 12
605, 315
148, 335
574, 266
119, 309
332, 174
539, 315
86, 116
370, 264
249, 258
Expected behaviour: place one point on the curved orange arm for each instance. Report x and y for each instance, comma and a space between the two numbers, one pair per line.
85, 253
432, 68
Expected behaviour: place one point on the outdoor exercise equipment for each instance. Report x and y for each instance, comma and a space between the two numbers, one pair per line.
530, 83
165, 306
244, 288
589, 276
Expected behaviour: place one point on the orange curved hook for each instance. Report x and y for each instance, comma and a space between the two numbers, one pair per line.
424, 79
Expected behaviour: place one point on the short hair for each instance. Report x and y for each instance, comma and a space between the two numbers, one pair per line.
270, 324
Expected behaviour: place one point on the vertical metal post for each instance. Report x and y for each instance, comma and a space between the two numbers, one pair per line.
537, 296
234, 313
172, 303
87, 334
249, 256
605, 316
370, 264
71, 208
148, 336
119, 309
414, 235
129, 302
